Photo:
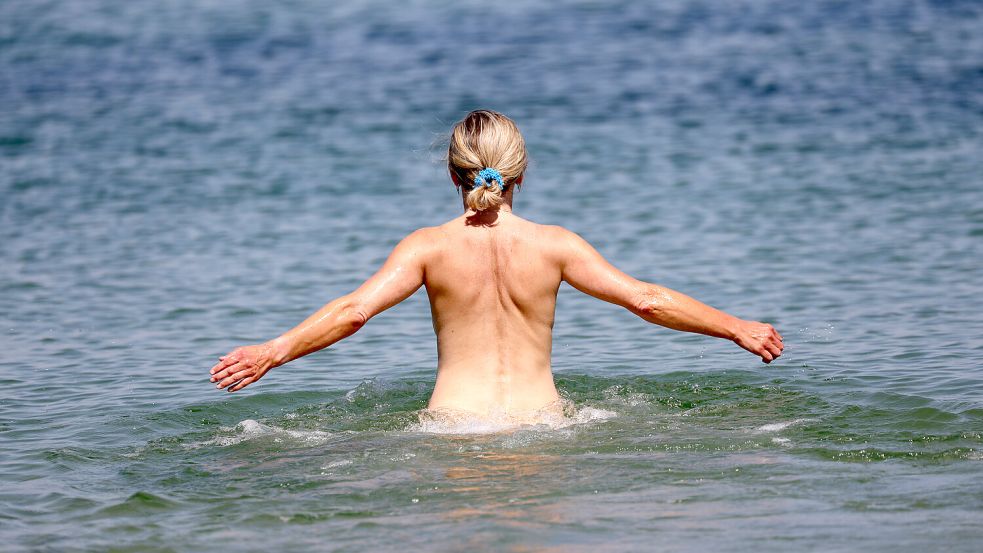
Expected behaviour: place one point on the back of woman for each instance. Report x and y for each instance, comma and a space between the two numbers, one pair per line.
492, 280
492, 289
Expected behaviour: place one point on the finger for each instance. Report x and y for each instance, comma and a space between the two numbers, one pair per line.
224, 362
766, 356
774, 350
240, 372
230, 378
235, 367
231, 370
242, 384
233, 378
779, 341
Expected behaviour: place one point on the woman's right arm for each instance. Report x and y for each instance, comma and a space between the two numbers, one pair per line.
399, 277
586, 270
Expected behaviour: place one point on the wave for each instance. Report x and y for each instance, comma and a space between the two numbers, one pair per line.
778, 426
685, 411
250, 429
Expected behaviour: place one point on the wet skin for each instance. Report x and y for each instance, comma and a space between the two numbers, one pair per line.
492, 280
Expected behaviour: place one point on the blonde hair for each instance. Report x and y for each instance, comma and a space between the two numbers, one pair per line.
486, 139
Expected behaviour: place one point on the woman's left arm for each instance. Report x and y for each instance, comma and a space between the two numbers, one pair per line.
399, 277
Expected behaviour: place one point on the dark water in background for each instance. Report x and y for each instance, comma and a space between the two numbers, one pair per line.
177, 178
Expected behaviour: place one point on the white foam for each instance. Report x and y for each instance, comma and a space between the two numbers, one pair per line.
250, 429
776, 426
555, 416
618, 394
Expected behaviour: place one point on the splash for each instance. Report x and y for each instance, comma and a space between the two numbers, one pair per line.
250, 429
559, 414
777, 426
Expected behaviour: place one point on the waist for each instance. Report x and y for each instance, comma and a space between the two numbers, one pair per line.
453, 420
485, 392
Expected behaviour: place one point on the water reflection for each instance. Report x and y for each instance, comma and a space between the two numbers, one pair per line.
506, 485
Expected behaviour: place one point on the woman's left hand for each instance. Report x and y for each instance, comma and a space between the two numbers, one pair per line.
243, 366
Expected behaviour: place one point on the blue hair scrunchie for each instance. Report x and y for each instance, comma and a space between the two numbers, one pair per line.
489, 176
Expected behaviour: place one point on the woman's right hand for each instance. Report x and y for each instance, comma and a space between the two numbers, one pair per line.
760, 339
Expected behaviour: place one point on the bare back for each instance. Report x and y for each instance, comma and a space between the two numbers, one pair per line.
492, 287
492, 279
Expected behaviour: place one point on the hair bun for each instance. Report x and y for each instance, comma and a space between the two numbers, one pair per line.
488, 177
485, 152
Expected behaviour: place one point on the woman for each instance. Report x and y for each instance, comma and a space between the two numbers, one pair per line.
492, 279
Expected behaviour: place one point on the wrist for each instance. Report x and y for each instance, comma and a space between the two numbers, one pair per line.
279, 351
732, 328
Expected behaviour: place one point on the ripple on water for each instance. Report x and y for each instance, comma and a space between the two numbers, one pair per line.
178, 176
250, 430
676, 412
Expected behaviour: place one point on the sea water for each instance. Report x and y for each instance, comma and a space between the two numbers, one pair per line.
179, 178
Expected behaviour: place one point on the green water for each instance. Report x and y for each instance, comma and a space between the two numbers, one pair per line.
681, 454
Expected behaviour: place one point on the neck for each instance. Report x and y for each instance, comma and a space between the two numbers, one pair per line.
506, 206
486, 218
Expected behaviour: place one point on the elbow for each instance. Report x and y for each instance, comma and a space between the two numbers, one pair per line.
352, 317
650, 311
355, 320
650, 305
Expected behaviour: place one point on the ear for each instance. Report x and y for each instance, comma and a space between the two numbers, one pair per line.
455, 179
519, 180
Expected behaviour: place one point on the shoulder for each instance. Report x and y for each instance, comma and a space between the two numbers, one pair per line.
559, 233
563, 239
560, 243
419, 243
421, 236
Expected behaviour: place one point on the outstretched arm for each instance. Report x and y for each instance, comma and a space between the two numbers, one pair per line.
399, 277
586, 270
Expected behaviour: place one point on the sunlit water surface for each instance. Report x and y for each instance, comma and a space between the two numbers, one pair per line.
178, 178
